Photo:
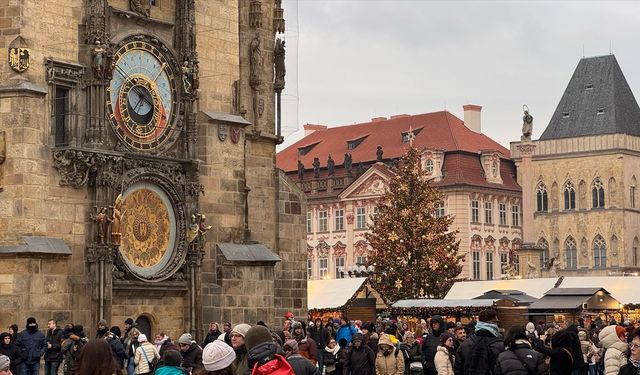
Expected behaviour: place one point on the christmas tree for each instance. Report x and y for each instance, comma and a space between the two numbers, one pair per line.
414, 253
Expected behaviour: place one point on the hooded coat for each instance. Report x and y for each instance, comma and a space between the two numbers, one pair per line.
392, 364
430, 346
614, 355
32, 344
442, 361
512, 360
360, 361
466, 349
307, 347
10, 351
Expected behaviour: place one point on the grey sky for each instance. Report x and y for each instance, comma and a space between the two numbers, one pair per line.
358, 59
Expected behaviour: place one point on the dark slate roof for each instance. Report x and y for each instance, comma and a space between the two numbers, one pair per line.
247, 253
512, 295
38, 245
596, 84
559, 303
574, 291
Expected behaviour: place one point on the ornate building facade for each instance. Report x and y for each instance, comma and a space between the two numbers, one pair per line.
474, 172
137, 165
584, 171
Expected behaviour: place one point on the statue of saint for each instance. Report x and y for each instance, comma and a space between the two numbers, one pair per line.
300, 171
103, 220
316, 167
142, 7
347, 163
379, 153
256, 60
98, 54
115, 224
204, 228
187, 77
193, 231
527, 125
331, 166
278, 62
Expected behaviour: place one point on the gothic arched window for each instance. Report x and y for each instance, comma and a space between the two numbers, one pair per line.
599, 252
541, 198
597, 193
571, 253
544, 256
569, 196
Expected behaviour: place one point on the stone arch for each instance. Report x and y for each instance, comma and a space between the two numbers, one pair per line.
569, 194
544, 255
635, 260
145, 324
597, 193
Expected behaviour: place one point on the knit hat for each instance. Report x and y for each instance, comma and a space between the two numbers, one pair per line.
4, 362
184, 339
217, 356
451, 325
296, 324
116, 331
241, 329
142, 338
103, 323
256, 335
172, 358
31, 322
293, 344
129, 321
444, 337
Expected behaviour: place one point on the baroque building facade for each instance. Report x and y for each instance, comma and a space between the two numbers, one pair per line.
343, 172
583, 176
137, 168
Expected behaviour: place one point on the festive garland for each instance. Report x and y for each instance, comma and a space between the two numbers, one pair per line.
347, 304
445, 311
632, 306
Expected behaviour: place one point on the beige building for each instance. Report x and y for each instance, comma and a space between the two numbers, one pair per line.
137, 173
474, 172
584, 171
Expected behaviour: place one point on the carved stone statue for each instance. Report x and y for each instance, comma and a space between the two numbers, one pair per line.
331, 166
347, 163
360, 169
379, 153
204, 228
193, 231
103, 220
187, 77
3, 154
116, 234
142, 7
316, 167
300, 171
527, 125
256, 62
279, 65
98, 55
531, 270
551, 267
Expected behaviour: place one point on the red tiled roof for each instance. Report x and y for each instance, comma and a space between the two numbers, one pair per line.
463, 168
440, 130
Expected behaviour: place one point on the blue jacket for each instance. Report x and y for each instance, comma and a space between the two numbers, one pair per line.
345, 332
32, 345
169, 370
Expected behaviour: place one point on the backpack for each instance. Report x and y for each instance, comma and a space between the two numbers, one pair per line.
277, 366
481, 360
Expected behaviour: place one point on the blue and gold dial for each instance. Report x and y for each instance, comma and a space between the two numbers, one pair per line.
142, 97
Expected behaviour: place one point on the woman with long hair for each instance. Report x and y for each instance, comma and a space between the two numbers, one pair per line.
96, 358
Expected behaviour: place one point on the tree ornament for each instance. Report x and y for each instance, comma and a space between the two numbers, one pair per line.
399, 284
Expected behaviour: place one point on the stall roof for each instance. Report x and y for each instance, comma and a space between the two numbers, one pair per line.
621, 288
333, 293
513, 295
434, 303
559, 302
471, 289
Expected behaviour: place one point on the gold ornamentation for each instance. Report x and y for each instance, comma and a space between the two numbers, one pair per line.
19, 59
146, 228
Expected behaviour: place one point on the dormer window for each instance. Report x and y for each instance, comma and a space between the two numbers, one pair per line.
495, 168
405, 135
429, 166
600, 111
352, 144
303, 150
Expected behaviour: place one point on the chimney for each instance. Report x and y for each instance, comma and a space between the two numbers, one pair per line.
310, 128
472, 117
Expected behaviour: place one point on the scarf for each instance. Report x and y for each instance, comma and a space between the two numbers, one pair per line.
488, 327
333, 351
635, 363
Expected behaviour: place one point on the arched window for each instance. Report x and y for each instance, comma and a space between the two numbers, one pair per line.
571, 253
632, 192
597, 193
599, 252
429, 166
569, 196
541, 198
544, 256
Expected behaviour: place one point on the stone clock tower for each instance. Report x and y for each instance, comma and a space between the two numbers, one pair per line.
137, 167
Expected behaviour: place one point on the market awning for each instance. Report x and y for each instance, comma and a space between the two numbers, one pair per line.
333, 293
621, 288
471, 289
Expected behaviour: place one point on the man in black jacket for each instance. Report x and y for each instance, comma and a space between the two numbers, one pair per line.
117, 349
361, 360
32, 344
321, 336
477, 354
53, 355
431, 343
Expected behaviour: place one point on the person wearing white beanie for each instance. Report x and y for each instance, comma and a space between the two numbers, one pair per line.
146, 355
237, 341
218, 357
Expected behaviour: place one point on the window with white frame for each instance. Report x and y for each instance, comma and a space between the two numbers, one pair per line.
476, 265
324, 267
440, 209
361, 259
489, 265
361, 218
569, 196
475, 211
504, 261
515, 215
322, 221
309, 268
542, 203
376, 212
338, 220
429, 166
339, 265
502, 208
488, 213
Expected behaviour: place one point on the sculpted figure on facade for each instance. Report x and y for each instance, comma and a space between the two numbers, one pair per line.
331, 166
98, 54
256, 62
279, 65
347, 163
116, 234
379, 153
142, 7
316, 167
3, 155
527, 125
300, 171
103, 220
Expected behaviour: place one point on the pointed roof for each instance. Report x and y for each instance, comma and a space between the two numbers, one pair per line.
597, 100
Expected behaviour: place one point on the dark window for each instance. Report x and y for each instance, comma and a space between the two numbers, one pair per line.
155, 2
569, 196
60, 116
597, 194
351, 145
541, 199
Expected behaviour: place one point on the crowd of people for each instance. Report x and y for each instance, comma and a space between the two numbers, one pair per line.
334, 347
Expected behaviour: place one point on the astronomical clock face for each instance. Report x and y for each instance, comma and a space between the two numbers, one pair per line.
142, 97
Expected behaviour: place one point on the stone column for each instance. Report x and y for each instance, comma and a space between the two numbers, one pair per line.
529, 253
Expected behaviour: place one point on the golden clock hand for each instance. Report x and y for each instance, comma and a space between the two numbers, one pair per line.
160, 72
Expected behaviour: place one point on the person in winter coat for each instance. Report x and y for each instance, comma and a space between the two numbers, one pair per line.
72, 348
300, 364
373, 341
445, 358
171, 361
342, 357
117, 349
519, 358
361, 360
131, 344
217, 358
613, 340
11, 351
585, 345
214, 332
329, 356
560, 352
321, 336
191, 352
633, 366
264, 356
240, 366
307, 347
411, 351
32, 344
431, 343
486, 334
161, 342
345, 331
96, 359
146, 354
53, 354
388, 360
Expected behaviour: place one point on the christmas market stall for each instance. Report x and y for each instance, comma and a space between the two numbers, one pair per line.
460, 310
569, 304
531, 287
351, 298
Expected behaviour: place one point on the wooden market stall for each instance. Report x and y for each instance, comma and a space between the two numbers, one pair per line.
351, 298
569, 304
460, 310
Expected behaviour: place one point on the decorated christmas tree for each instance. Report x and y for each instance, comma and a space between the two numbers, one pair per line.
414, 253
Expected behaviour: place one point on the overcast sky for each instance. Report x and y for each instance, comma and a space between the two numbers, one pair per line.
351, 60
